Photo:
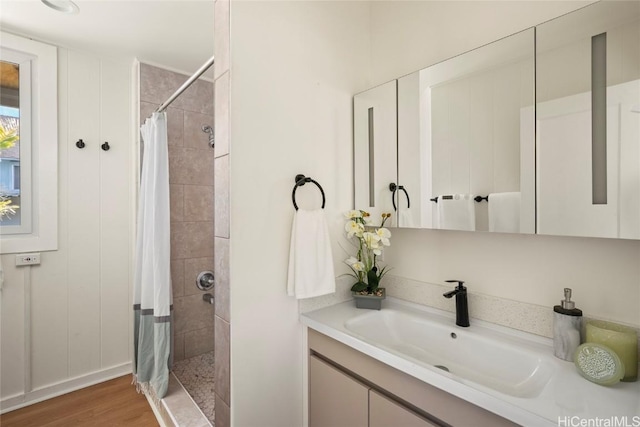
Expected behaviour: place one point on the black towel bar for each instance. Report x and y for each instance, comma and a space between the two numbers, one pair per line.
477, 198
301, 180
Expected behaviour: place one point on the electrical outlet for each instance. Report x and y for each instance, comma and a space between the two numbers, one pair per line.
27, 259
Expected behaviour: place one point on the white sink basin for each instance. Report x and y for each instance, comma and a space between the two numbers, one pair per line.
476, 354
511, 373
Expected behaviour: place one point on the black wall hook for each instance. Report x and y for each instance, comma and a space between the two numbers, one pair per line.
80, 143
105, 146
301, 180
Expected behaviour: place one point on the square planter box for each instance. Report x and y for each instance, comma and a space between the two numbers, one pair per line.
371, 302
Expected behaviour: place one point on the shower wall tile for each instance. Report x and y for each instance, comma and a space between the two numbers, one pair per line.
221, 263
221, 351
194, 137
178, 345
175, 127
197, 98
191, 240
177, 278
190, 166
191, 313
221, 29
176, 200
221, 37
157, 84
193, 267
221, 167
198, 203
146, 109
199, 341
223, 412
221, 102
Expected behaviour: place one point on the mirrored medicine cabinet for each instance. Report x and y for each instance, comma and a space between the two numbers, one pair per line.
538, 132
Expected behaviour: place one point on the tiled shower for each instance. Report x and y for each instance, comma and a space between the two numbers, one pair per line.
191, 180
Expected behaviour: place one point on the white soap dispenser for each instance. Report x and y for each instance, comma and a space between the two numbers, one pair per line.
567, 322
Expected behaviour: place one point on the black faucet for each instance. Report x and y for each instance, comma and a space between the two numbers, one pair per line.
462, 308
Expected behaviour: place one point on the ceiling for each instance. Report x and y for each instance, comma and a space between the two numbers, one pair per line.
176, 34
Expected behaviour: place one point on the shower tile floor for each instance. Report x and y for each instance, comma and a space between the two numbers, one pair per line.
197, 376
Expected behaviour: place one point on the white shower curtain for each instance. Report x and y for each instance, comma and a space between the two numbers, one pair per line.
152, 281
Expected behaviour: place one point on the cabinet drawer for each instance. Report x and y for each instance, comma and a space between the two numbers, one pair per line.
387, 413
335, 399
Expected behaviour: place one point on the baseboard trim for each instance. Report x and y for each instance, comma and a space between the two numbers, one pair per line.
63, 387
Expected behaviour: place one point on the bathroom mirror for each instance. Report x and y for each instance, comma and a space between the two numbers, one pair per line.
375, 151
588, 122
466, 141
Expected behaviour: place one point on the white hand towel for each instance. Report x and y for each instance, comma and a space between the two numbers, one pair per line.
457, 213
504, 212
310, 259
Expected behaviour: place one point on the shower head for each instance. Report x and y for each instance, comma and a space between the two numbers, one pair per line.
208, 129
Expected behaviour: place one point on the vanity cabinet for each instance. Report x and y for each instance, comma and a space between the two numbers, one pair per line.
339, 400
349, 388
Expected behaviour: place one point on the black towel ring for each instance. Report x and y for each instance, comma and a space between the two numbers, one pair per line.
300, 181
393, 188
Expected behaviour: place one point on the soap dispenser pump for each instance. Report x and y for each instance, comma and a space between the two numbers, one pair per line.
567, 321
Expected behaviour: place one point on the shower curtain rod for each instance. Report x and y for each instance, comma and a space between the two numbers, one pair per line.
185, 85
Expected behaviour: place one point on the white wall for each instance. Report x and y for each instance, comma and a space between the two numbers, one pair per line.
410, 35
67, 322
604, 274
294, 69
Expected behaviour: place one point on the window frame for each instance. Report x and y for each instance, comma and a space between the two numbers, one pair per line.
13, 178
41, 153
24, 60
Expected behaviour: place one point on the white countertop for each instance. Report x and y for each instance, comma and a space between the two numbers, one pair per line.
566, 399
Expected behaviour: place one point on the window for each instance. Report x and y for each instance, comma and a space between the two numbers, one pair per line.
28, 145
15, 134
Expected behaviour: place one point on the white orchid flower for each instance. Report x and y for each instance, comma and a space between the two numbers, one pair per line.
371, 240
377, 252
384, 235
353, 214
354, 263
354, 228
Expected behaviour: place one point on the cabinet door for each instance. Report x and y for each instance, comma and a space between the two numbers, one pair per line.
375, 149
386, 413
588, 132
335, 399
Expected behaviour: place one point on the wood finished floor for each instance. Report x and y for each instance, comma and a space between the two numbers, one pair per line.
112, 403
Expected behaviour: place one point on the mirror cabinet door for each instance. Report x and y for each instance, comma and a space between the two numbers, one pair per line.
466, 140
588, 122
375, 150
